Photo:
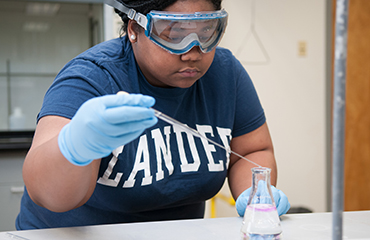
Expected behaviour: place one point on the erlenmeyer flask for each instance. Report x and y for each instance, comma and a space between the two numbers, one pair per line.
261, 219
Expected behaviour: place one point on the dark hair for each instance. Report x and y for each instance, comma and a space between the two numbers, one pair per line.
145, 6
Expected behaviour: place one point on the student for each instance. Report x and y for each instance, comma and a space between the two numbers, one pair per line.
99, 157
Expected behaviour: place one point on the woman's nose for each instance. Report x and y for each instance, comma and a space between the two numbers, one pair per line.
195, 54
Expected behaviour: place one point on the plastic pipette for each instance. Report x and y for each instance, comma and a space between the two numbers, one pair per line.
194, 132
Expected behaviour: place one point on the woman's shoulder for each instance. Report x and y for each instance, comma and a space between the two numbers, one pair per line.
225, 57
225, 60
108, 56
114, 49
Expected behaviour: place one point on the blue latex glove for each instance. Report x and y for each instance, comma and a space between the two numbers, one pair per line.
281, 201
104, 123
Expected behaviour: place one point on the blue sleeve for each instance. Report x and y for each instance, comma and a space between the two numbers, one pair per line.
100, 70
249, 112
77, 82
239, 93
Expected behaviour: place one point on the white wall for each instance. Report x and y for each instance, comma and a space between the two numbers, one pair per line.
112, 23
292, 88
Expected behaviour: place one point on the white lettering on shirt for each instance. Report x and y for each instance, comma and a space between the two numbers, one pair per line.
224, 133
161, 147
105, 178
161, 143
141, 153
209, 148
185, 165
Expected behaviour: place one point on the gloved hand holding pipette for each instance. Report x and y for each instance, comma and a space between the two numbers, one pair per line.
281, 201
103, 124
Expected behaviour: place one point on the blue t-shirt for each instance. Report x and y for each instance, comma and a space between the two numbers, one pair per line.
166, 173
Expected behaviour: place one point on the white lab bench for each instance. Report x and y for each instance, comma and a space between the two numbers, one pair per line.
295, 227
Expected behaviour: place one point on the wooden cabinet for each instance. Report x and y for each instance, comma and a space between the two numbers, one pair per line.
357, 129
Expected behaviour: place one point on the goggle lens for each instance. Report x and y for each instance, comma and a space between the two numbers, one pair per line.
177, 33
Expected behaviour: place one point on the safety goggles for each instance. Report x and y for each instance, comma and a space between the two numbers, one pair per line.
177, 32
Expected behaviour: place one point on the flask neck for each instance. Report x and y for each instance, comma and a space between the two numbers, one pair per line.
261, 189
261, 173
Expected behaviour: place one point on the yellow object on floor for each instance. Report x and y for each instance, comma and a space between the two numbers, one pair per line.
228, 199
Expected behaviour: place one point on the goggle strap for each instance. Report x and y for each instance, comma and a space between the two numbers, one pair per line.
131, 13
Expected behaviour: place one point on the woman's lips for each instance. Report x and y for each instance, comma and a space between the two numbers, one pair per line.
189, 72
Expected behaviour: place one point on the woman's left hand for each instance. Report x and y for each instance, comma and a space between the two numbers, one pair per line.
281, 201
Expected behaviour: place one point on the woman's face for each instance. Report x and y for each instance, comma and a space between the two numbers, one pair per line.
163, 69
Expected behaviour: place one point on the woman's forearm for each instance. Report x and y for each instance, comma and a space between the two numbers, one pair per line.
257, 147
51, 180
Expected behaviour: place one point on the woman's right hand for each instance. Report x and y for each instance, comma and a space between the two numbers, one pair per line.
104, 123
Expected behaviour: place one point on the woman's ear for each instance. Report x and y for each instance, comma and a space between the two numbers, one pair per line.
132, 31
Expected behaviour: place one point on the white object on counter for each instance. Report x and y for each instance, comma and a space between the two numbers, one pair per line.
17, 119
